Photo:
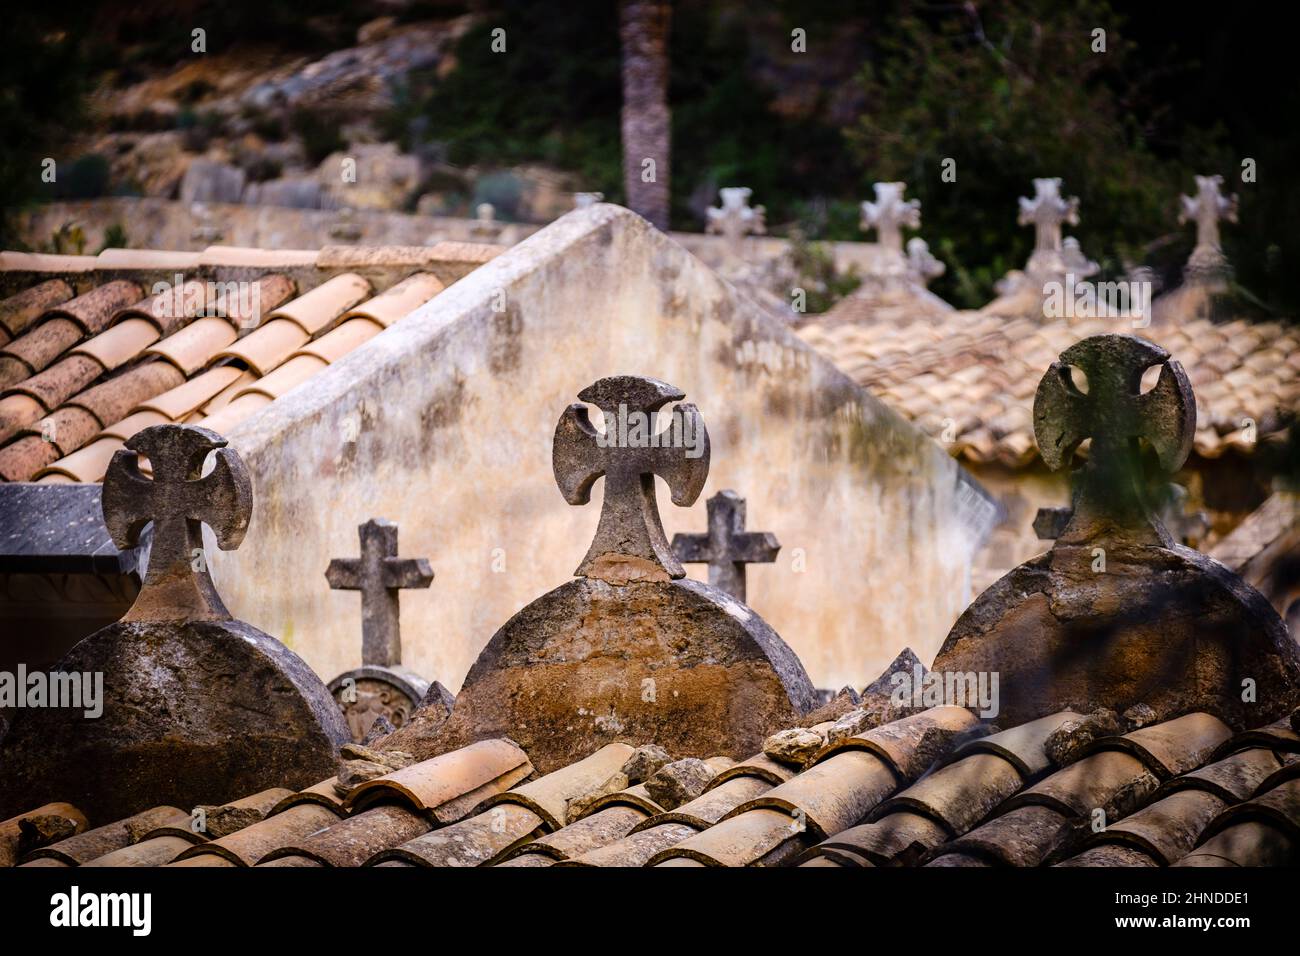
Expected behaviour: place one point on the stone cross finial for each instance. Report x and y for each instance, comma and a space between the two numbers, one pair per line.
889, 214
922, 266
1047, 211
1114, 413
178, 502
630, 543
735, 218
379, 575
1207, 208
728, 547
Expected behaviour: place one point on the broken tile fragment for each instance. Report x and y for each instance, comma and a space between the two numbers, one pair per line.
794, 747
678, 782
1066, 744
644, 762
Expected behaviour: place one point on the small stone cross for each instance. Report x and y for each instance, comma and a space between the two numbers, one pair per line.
179, 502
630, 544
889, 214
379, 574
922, 266
1110, 495
1047, 211
1207, 208
728, 547
735, 218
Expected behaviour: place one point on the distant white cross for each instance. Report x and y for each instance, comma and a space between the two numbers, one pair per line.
735, 218
1207, 208
583, 200
889, 214
922, 266
1047, 211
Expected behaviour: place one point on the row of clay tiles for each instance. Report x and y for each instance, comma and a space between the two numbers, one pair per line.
59, 429
1184, 792
974, 374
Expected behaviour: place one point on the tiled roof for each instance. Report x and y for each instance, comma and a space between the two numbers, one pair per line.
81, 373
927, 789
968, 378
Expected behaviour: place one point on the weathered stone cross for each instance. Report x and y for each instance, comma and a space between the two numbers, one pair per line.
889, 214
630, 544
379, 574
1207, 208
1111, 497
1046, 212
179, 502
728, 547
735, 218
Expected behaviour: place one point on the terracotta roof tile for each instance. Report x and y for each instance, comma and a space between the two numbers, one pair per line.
34, 351
755, 838
176, 403
1167, 829
592, 832
123, 342
881, 843
353, 841
114, 399
85, 464
237, 410
266, 346
316, 310
288, 376
19, 311
136, 421
338, 342
95, 843
637, 848
59, 382
1251, 843
400, 300
832, 795
246, 847
485, 769
196, 345
21, 460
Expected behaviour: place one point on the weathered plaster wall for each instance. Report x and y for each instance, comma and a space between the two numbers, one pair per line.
453, 409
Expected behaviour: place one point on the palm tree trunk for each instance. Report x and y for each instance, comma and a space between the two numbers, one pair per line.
647, 134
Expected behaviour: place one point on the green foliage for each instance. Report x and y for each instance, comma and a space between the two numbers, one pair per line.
815, 267
115, 237
1012, 91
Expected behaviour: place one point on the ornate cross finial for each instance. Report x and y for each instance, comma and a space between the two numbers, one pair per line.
1110, 496
178, 502
1046, 212
922, 266
630, 543
379, 574
735, 218
728, 547
889, 214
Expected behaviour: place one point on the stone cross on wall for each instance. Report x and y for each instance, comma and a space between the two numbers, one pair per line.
630, 544
179, 502
1113, 495
889, 214
728, 547
735, 218
485, 224
197, 707
1046, 212
379, 575
1117, 614
630, 650
1207, 208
